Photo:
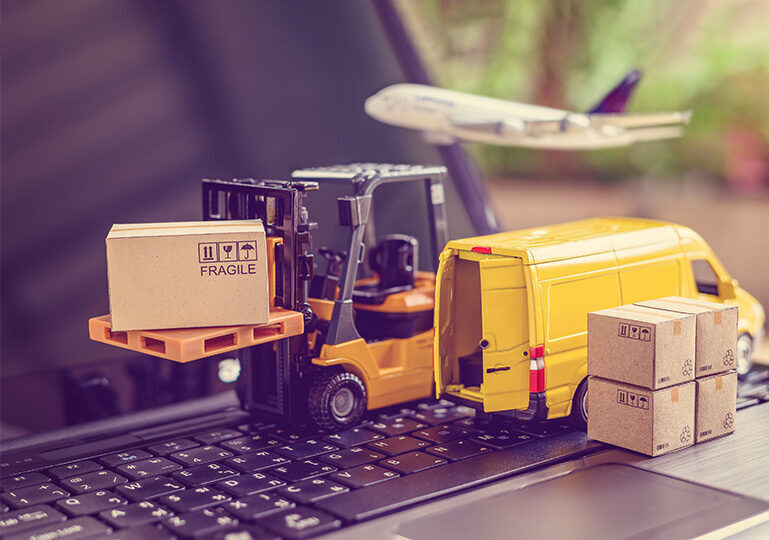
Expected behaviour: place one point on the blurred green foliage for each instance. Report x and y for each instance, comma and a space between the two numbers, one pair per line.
710, 56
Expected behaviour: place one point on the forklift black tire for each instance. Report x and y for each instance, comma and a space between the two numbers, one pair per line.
578, 416
337, 400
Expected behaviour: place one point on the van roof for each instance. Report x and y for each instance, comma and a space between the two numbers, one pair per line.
573, 239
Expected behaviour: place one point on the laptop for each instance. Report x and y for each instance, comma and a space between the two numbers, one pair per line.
106, 444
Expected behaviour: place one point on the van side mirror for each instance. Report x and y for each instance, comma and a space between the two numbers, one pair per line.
728, 289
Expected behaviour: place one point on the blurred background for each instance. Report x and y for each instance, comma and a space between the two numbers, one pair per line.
113, 110
708, 56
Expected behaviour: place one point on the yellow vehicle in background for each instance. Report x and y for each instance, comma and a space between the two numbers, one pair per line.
511, 308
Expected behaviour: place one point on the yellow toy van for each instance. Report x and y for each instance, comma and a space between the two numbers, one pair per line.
511, 308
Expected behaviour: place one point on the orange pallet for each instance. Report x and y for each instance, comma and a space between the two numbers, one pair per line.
188, 344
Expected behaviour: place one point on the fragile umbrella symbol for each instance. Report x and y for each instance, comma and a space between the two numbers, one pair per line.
247, 248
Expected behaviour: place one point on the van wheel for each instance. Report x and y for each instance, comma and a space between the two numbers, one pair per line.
744, 354
337, 400
578, 416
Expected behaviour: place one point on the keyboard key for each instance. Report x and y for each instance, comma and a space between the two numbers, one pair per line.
397, 445
501, 438
71, 469
375, 500
456, 450
397, 426
257, 506
351, 457
148, 488
442, 415
442, 434
305, 449
113, 460
82, 527
28, 518
543, 429
29, 496
23, 480
353, 437
301, 470
201, 455
204, 474
216, 435
256, 461
146, 468
194, 499
301, 522
144, 532
365, 475
133, 515
255, 427
93, 480
243, 531
312, 490
200, 523
89, 503
412, 462
292, 435
250, 443
248, 484
169, 447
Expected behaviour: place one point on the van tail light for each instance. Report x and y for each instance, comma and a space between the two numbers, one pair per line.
482, 249
537, 369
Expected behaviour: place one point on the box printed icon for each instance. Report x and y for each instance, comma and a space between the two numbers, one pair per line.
208, 252
247, 251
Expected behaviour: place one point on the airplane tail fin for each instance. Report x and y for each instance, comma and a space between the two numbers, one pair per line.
615, 101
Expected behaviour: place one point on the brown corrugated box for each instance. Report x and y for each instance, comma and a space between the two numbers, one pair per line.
187, 274
643, 346
716, 346
716, 405
650, 422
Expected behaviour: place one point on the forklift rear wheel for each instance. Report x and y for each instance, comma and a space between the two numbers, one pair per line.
337, 400
579, 407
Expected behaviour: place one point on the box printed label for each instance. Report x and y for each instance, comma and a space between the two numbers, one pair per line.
632, 399
230, 257
634, 331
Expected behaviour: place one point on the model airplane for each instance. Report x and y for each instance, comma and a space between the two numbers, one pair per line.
446, 117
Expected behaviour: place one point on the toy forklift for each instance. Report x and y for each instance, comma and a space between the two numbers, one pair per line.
364, 339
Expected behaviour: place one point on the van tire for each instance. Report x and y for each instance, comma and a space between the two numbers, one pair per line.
336, 400
744, 354
578, 417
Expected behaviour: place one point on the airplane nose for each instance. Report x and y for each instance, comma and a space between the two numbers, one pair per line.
373, 106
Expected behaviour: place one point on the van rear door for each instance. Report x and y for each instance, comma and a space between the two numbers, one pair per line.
505, 341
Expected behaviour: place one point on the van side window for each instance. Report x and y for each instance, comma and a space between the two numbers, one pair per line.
705, 278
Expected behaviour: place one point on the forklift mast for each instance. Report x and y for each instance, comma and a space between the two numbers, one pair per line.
270, 377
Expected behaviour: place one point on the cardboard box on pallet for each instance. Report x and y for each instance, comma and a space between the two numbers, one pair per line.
187, 274
716, 344
650, 422
642, 346
716, 406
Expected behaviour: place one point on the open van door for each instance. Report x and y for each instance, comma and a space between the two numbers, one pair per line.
505, 341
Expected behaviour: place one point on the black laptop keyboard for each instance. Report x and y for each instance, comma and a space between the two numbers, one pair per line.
274, 482
264, 481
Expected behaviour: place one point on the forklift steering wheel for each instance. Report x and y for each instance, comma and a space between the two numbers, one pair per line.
335, 258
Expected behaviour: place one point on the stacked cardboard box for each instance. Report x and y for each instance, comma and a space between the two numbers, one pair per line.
187, 274
642, 362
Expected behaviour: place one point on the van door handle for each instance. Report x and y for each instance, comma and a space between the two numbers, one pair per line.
495, 369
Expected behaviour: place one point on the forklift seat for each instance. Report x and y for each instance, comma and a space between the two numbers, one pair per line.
394, 259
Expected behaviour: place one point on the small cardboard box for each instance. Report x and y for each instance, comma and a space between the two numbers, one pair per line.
716, 405
641, 346
650, 422
187, 274
716, 346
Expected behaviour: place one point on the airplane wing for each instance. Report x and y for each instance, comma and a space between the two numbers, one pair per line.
631, 121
